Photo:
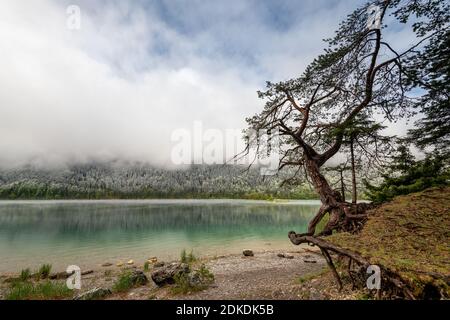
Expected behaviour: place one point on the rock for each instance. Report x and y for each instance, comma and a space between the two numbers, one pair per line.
138, 278
96, 293
195, 279
248, 253
165, 275
119, 264
287, 256
152, 260
159, 264
309, 260
107, 264
130, 262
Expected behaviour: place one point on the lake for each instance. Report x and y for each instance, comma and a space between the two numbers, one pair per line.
89, 233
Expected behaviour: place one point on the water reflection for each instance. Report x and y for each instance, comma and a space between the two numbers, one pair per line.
60, 232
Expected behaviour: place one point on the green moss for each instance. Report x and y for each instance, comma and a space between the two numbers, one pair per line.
409, 236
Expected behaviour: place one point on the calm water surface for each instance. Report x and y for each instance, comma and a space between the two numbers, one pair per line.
89, 233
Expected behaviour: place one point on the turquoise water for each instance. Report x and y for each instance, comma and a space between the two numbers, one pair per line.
89, 233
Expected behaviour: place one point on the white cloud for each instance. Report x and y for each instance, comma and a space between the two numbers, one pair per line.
118, 87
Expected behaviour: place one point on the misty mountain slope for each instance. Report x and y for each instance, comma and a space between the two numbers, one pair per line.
109, 180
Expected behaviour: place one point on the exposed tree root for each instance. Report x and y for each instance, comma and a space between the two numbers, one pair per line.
391, 284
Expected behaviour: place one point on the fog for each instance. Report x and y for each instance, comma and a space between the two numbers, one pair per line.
118, 87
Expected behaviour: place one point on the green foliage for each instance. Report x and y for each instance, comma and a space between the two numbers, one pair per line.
25, 274
430, 172
127, 281
197, 280
146, 266
124, 282
429, 70
44, 271
205, 274
187, 257
24, 290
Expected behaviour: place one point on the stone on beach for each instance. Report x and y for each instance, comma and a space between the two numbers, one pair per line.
166, 274
248, 253
95, 293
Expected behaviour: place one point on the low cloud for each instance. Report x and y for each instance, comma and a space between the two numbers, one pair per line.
135, 72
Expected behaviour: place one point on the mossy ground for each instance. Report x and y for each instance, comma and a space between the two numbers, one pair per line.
410, 236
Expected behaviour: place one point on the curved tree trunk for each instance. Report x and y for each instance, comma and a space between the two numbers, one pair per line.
331, 200
340, 213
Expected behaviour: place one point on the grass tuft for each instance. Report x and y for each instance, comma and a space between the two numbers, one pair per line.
123, 283
44, 271
187, 257
25, 274
40, 291
192, 282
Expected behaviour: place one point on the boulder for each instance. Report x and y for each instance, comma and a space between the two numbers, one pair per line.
248, 253
107, 264
166, 274
138, 278
159, 264
93, 294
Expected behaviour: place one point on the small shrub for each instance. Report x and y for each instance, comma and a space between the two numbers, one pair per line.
146, 266
40, 291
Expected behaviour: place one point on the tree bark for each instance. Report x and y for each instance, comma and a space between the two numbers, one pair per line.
330, 199
342, 185
352, 155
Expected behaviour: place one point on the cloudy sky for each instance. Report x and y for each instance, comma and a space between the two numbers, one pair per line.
136, 71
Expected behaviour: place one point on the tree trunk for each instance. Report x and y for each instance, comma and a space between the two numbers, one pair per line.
352, 154
342, 185
330, 199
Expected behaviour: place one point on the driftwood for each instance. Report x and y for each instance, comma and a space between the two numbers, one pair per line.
65, 275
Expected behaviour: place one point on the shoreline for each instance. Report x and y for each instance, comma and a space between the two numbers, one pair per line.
265, 275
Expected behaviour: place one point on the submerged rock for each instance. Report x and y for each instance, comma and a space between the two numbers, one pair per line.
107, 264
248, 253
166, 274
96, 293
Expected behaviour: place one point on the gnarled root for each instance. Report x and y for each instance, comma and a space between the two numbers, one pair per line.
391, 282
